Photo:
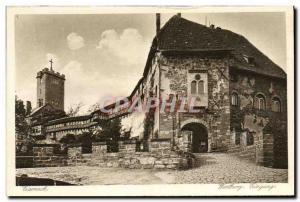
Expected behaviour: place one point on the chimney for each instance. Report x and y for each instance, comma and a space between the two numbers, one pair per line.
157, 23
179, 15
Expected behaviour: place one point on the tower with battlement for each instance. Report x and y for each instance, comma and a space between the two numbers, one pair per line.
50, 88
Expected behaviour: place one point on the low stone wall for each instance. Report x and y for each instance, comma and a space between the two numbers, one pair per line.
24, 161
268, 150
76, 158
261, 152
44, 156
160, 156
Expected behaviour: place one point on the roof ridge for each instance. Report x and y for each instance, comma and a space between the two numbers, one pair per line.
181, 33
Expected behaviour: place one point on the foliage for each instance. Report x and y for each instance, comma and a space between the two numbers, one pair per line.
74, 109
148, 127
23, 141
68, 139
85, 139
109, 132
28, 108
238, 117
94, 107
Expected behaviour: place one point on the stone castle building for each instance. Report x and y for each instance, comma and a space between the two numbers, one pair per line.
240, 94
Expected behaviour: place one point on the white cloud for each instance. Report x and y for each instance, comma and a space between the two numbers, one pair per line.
111, 70
128, 46
75, 41
88, 87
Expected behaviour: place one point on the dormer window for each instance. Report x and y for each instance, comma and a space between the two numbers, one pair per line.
250, 60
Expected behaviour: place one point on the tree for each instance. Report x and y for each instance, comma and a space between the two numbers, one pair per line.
110, 132
68, 139
23, 141
19, 107
97, 134
85, 139
74, 109
94, 107
28, 108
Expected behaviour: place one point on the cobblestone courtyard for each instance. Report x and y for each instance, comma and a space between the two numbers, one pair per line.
223, 168
212, 168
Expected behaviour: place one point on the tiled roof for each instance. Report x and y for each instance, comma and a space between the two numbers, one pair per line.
181, 34
34, 111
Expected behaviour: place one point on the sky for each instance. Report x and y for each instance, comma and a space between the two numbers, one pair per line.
105, 55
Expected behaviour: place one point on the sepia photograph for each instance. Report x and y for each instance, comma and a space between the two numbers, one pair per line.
166, 101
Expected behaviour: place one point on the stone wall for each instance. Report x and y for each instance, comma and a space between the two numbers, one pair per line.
160, 156
45, 156
24, 161
76, 158
268, 150
216, 115
245, 118
263, 152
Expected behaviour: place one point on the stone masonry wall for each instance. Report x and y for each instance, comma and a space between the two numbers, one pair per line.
216, 116
245, 119
159, 156
44, 156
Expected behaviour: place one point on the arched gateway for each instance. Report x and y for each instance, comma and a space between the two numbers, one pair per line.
197, 133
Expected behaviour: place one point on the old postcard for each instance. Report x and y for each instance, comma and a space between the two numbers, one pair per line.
150, 101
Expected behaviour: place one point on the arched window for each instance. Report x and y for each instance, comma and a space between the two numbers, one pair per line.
234, 99
260, 102
200, 87
276, 104
193, 87
197, 85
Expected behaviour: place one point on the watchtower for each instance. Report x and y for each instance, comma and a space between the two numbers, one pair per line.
50, 88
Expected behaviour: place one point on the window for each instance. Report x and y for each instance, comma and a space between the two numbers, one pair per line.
40, 102
276, 104
197, 85
260, 102
54, 81
250, 60
200, 87
234, 99
193, 87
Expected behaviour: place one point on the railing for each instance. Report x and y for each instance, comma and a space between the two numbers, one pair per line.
69, 127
